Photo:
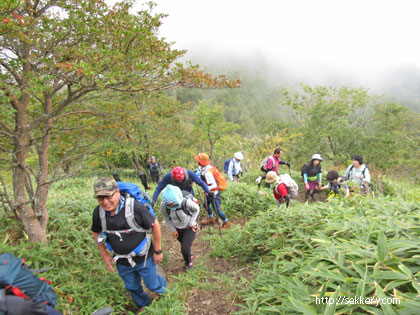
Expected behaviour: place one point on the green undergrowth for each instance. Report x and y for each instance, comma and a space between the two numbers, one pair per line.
78, 270
359, 247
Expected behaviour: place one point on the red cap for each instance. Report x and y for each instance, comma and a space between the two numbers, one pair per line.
178, 173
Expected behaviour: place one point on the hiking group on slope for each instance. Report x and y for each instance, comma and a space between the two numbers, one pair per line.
128, 235
356, 178
127, 225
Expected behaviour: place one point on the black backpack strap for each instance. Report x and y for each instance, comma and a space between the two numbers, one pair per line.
363, 172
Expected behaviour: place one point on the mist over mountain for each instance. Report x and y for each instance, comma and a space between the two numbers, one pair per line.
400, 83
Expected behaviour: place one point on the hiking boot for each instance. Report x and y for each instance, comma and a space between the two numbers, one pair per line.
188, 267
226, 225
208, 221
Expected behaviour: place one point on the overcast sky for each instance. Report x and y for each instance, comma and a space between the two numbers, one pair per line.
323, 36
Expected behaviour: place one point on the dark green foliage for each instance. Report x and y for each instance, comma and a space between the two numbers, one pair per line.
357, 247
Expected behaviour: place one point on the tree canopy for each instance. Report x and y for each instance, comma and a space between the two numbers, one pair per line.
60, 61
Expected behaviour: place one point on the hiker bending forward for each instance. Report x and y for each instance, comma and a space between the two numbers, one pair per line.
180, 214
129, 239
182, 178
213, 198
281, 193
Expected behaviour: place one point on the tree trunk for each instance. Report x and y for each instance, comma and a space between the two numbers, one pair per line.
24, 198
333, 150
136, 163
211, 147
42, 186
133, 161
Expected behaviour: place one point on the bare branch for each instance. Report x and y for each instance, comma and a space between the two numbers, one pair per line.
162, 88
8, 132
79, 168
44, 9
11, 71
13, 99
5, 200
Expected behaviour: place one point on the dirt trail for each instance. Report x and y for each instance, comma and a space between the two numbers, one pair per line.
202, 302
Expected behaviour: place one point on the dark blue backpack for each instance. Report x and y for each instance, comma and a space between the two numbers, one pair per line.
17, 278
226, 165
134, 191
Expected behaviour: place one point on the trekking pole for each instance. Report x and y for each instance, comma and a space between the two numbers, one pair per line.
213, 202
206, 206
288, 165
200, 204
103, 311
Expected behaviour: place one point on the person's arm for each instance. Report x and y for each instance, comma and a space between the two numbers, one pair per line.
96, 228
106, 256
328, 186
230, 171
198, 181
284, 163
319, 179
239, 168
157, 241
162, 184
194, 208
166, 217
367, 176
347, 173
305, 178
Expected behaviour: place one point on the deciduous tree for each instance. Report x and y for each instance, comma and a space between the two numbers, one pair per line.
54, 55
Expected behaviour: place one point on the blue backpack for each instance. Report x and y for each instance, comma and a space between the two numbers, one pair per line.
134, 191
17, 278
226, 166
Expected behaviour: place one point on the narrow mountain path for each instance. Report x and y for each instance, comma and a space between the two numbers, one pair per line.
217, 297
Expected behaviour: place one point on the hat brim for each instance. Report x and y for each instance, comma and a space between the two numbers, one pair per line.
199, 160
105, 193
271, 181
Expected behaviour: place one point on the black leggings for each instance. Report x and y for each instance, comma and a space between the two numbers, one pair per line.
155, 177
186, 238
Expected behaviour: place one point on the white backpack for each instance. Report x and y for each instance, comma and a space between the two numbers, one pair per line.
264, 162
291, 185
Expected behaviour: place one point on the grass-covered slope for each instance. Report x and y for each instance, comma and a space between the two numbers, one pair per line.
360, 247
